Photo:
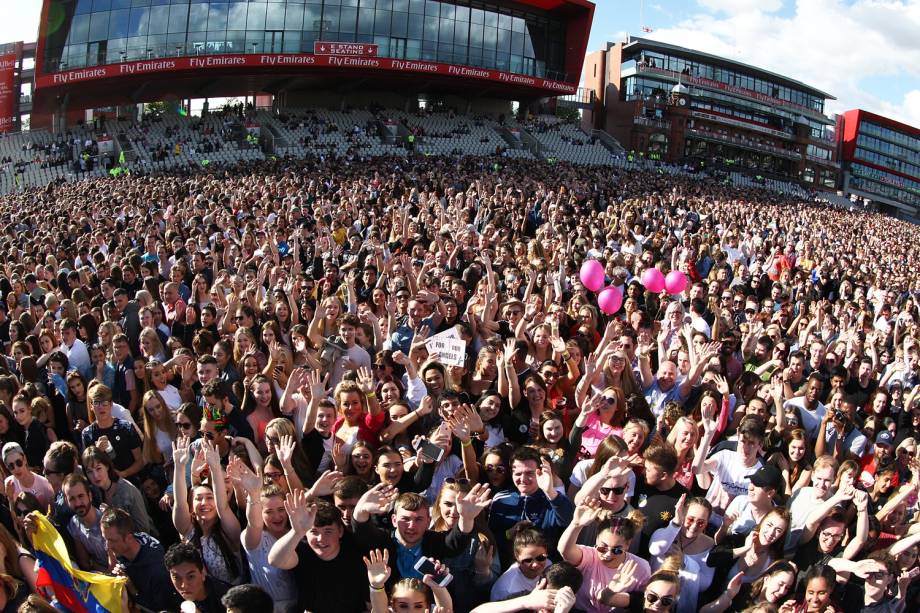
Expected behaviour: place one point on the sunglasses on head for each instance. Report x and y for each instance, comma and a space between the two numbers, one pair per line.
652, 598
18, 463
616, 491
540, 558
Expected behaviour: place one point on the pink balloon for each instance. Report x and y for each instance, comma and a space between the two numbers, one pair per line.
592, 275
675, 282
653, 280
610, 300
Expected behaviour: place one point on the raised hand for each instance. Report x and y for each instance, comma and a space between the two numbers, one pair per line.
211, 453
861, 501
734, 586
339, 458
181, 450
285, 449
377, 562
316, 384
616, 467
324, 484
545, 479
474, 502
722, 385
301, 511
624, 579
474, 420
509, 350
440, 570
366, 380
242, 475
558, 344
377, 500
680, 510
586, 512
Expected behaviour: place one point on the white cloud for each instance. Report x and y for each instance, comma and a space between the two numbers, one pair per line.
22, 22
828, 44
741, 6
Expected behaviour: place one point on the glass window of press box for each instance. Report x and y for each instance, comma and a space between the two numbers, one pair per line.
892, 136
726, 76
469, 33
884, 183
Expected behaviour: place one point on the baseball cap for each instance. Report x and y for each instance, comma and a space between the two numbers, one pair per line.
885, 437
768, 476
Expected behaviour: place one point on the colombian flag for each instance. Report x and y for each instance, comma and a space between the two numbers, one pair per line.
75, 590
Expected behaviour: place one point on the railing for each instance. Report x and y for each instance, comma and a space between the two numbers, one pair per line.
535, 146
821, 160
743, 142
582, 95
652, 123
191, 49
612, 144
740, 124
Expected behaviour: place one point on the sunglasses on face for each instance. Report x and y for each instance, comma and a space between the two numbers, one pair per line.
273, 476
616, 491
183, 425
460, 481
610, 400
540, 558
18, 463
652, 598
495, 468
21, 512
603, 549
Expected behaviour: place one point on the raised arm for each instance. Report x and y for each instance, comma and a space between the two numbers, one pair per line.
585, 513
242, 477
228, 520
301, 513
182, 518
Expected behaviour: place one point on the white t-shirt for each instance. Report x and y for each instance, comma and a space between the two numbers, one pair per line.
730, 480
171, 397
512, 583
811, 420
802, 504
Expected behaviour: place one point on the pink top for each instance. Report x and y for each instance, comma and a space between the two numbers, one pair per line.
595, 432
597, 577
40, 488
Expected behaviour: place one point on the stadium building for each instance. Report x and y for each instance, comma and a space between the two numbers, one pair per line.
667, 102
118, 53
881, 162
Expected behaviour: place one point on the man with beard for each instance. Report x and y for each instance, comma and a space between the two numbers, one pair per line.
85, 527
139, 557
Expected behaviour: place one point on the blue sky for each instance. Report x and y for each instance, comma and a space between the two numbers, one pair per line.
866, 53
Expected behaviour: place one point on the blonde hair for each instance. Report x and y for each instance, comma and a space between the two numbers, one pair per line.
150, 449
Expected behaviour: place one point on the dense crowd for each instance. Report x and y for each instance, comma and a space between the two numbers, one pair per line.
380, 385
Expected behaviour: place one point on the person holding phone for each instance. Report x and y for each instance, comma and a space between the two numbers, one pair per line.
407, 594
411, 517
